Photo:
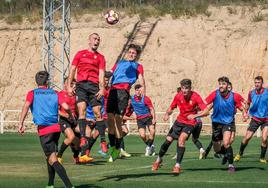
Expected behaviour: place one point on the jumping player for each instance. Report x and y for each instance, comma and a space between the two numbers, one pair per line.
44, 106
257, 104
125, 74
90, 67
145, 115
187, 102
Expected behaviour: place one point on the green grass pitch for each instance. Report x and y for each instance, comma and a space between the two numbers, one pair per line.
22, 164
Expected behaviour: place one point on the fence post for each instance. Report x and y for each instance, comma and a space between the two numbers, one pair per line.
1, 122
128, 124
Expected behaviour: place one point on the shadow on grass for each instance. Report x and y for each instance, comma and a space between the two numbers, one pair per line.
87, 186
95, 163
225, 168
133, 176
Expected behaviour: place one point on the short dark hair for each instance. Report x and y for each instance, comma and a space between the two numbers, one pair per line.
186, 82
41, 78
108, 74
224, 79
178, 89
138, 86
136, 47
259, 78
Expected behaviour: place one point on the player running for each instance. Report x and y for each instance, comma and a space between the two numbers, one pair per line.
224, 104
90, 67
145, 115
125, 73
43, 103
257, 104
67, 125
187, 102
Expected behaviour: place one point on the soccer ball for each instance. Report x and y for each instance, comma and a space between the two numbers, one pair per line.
112, 17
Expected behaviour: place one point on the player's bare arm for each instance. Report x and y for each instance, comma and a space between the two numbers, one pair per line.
153, 115
142, 83
70, 89
101, 84
23, 115
167, 114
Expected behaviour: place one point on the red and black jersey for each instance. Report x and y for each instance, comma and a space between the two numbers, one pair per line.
88, 65
187, 108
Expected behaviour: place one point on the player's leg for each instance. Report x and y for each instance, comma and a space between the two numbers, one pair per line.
82, 123
227, 136
69, 137
122, 103
142, 133
184, 135
118, 135
150, 141
103, 144
100, 126
217, 137
253, 126
75, 147
49, 144
195, 139
112, 107
123, 152
172, 134
264, 143
163, 149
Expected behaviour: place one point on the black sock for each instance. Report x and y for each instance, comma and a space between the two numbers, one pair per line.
82, 123
164, 148
150, 142
180, 153
145, 142
111, 139
242, 148
222, 151
198, 144
62, 149
75, 152
91, 142
229, 155
100, 126
84, 147
62, 174
122, 145
51, 174
118, 143
263, 152
209, 148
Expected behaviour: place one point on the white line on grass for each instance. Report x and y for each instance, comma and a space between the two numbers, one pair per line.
127, 169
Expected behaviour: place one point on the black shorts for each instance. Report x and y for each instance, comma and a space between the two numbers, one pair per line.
144, 122
86, 91
91, 125
117, 101
177, 128
218, 129
197, 130
254, 125
49, 143
106, 123
65, 123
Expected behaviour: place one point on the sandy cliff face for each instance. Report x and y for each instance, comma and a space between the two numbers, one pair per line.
201, 48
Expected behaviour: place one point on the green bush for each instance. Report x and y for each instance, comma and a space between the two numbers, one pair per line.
11, 19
